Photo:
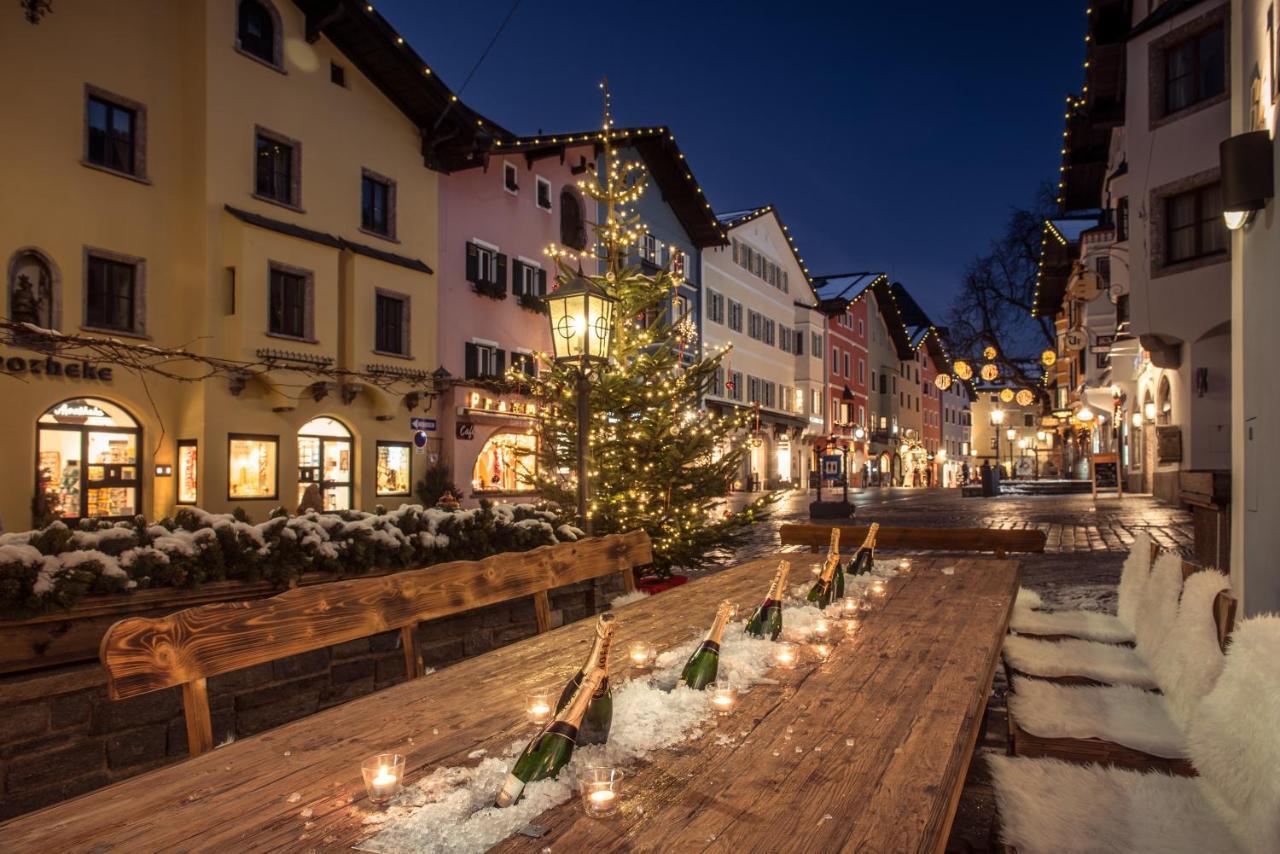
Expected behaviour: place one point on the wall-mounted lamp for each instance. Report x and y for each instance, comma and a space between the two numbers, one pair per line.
1137, 419
164, 471
1149, 410
1247, 176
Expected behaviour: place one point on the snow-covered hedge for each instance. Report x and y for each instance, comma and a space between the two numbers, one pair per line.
51, 568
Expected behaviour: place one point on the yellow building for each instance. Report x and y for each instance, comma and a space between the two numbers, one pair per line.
252, 180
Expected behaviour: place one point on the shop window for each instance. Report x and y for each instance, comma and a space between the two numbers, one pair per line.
87, 460
325, 459
252, 466
188, 471
507, 463
394, 468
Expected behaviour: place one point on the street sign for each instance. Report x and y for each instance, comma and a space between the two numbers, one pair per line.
428, 424
465, 430
831, 465
420, 440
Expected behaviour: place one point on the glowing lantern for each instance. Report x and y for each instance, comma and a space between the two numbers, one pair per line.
990, 372
942, 381
989, 352
963, 370
1006, 395
1026, 397
1048, 358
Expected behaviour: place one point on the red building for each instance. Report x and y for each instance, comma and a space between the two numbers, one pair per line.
848, 370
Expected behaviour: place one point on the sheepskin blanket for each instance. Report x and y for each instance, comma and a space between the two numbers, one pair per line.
1188, 662
1115, 665
1027, 600
1052, 807
1089, 625
1121, 714
1133, 579
1159, 604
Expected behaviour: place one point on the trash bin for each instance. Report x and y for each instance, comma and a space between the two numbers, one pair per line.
990, 480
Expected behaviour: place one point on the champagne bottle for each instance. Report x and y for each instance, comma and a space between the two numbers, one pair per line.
552, 748
767, 619
599, 717
865, 559
824, 589
701, 668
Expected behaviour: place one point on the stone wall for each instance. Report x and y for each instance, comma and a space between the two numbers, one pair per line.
61, 736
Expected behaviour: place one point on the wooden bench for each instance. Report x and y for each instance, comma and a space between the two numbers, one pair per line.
145, 654
998, 540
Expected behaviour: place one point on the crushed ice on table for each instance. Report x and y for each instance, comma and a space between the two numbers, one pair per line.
450, 811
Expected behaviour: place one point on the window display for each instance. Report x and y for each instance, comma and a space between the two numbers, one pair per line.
87, 460
394, 468
251, 466
506, 463
188, 471
325, 459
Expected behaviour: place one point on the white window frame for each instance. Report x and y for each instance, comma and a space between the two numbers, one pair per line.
528, 279
510, 168
539, 183
486, 356
486, 260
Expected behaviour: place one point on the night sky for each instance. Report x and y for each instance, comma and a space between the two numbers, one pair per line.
891, 136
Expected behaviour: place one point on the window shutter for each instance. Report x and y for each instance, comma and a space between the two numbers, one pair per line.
517, 277
501, 278
473, 264
473, 362
542, 283
499, 362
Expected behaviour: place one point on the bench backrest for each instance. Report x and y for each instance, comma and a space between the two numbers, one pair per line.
144, 654
998, 540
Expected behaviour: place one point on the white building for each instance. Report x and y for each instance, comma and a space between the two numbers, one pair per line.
756, 299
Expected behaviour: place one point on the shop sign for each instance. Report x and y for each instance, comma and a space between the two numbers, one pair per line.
428, 424
52, 367
77, 410
831, 465
465, 430
1075, 340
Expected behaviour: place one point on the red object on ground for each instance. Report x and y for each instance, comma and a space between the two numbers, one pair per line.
652, 584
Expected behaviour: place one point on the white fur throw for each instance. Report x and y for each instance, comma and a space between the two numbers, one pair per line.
1235, 736
1028, 600
1089, 625
1115, 665
1188, 662
1133, 579
1121, 714
1052, 807
1159, 604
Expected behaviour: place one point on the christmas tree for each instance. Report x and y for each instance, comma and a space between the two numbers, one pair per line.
658, 460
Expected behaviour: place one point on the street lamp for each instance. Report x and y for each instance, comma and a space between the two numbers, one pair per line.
581, 317
1011, 434
997, 418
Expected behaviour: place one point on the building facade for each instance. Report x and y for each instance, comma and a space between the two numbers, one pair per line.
843, 299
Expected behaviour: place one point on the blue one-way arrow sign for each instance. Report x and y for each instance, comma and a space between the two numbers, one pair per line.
422, 424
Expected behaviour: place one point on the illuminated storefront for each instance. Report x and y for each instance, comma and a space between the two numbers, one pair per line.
506, 463
188, 471
325, 458
395, 468
87, 459
252, 466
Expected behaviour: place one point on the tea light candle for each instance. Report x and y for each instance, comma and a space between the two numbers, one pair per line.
601, 791
904, 565
878, 587
786, 655
850, 605
724, 696
821, 628
382, 775
538, 708
817, 569
822, 651
641, 653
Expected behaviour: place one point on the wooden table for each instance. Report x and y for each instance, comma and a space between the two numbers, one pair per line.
909, 688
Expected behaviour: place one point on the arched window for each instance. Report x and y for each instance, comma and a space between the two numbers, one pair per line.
34, 289
506, 463
87, 460
257, 31
326, 459
573, 232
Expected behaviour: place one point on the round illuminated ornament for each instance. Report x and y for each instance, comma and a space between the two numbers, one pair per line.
942, 381
990, 372
1048, 358
962, 369
1026, 397
989, 352
756, 441
1006, 395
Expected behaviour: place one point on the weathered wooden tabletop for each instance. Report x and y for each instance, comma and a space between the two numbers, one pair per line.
895, 711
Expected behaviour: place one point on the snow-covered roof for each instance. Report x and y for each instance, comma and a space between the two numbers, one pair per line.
846, 286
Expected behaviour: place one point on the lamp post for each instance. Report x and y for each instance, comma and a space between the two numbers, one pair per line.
1011, 434
581, 316
997, 419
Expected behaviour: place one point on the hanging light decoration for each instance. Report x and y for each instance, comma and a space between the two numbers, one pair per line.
989, 352
990, 372
963, 369
1006, 395
1026, 397
1084, 415
1048, 358
942, 381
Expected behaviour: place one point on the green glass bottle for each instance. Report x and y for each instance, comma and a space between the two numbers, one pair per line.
767, 619
552, 748
824, 589
701, 668
864, 561
599, 717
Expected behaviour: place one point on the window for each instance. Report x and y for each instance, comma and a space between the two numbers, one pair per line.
1193, 224
797, 342
815, 402
337, 75
114, 133
87, 459
487, 269
753, 390
717, 384
784, 339
394, 468
862, 330
507, 463
391, 334
680, 265
753, 325
251, 466
846, 363
378, 204
510, 180
111, 294
276, 177
1122, 219
835, 360
484, 360
573, 232
524, 363
188, 471
256, 31
1122, 310
1195, 69
816, 349
543, 194
651, 249
862, 371
715, 307
735, 316
289, 309
737, 386
770, 329
528, 279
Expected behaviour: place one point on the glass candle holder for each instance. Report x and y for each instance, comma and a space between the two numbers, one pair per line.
601, 791
822, 651
817, 569
724, 696
904, 566
878, 587
382, 776
641, 654
786, 655
821, 628
538, 708
851, 606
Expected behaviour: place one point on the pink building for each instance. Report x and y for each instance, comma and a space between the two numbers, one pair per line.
496, 223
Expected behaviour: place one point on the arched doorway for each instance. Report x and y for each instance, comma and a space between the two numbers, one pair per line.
326, 457
87, 459
506, 463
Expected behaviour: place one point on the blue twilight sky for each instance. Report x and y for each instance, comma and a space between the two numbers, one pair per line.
891, 136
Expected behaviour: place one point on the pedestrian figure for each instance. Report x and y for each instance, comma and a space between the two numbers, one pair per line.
964, 474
